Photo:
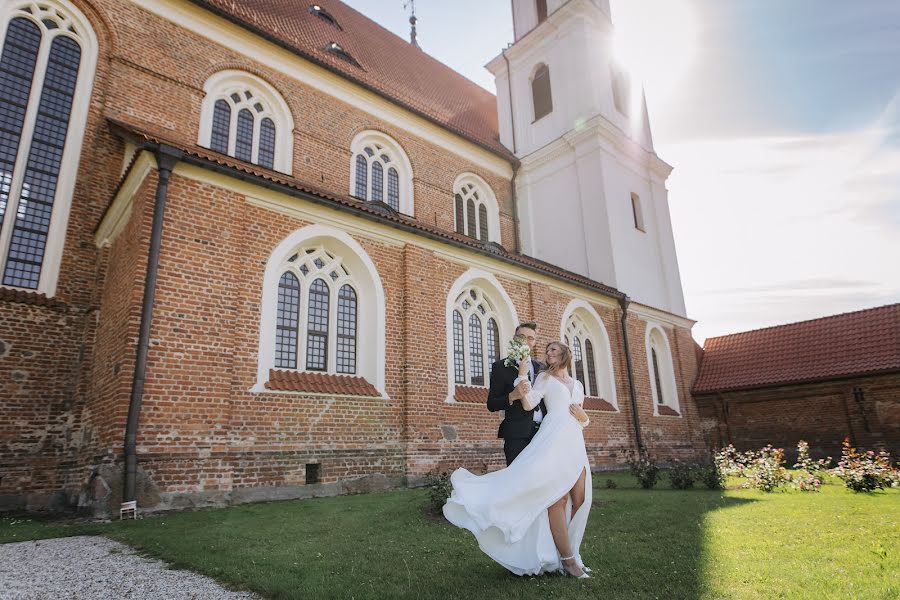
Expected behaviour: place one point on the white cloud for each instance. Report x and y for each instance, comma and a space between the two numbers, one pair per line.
775, 229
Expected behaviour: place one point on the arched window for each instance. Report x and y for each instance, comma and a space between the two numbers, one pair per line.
476, 212
317, 314
245, 117
541, 96
323, 309
662, 372
583, 331
381, 172
621, 89
46, 68
478, 344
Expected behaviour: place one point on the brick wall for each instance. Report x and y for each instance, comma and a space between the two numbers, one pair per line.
822, 414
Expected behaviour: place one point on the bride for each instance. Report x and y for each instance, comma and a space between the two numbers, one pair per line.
530, 517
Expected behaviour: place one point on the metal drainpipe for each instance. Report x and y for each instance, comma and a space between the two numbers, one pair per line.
623, 303
166, 159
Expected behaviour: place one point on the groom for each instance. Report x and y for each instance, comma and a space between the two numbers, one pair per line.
519, 425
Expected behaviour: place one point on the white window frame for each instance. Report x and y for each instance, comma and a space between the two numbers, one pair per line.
370, 312
581, 319
657, 339
465, 185
504, 312
221, 86
397, 158
66, 15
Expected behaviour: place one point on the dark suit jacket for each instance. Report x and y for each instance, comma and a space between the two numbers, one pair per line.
518, 422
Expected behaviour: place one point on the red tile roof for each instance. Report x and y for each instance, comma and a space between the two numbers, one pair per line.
667, 410
592, 403
470, 393
151, 139
319, 383
26, 297
387, 64
850, 344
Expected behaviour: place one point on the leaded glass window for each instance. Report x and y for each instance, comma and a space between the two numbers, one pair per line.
317, 327
30, 192
591, 389
288, 322
361, 174
459, 357
377, 182
578, 361
243, 126
476, 337
393, 189
476, 364
267, 143
220, 127
471, 212
346, 330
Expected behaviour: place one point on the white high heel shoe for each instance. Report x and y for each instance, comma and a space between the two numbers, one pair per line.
566, 572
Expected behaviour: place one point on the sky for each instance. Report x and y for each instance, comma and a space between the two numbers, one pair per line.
782, 122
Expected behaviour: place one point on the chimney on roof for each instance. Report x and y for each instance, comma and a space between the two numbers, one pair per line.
412, 22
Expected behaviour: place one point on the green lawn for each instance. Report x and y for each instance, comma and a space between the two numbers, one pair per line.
641, 544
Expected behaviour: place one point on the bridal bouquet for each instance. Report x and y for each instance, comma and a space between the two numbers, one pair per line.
517, 352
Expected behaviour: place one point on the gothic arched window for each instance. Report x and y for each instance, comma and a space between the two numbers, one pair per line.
662, 372
381, 172
586, 336
46, 68
245, 117
477, 345
317, 314
475, 209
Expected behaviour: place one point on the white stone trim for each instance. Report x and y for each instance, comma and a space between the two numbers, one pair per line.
505, 314
648, 313
666, 366
370, 302
238, 39
486, 196
599, 340
220, 86
62, 203
398, 158
119, 211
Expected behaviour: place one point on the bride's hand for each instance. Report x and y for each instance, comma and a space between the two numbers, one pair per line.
576, 411
523, 367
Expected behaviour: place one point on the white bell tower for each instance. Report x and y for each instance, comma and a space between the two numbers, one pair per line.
590, 188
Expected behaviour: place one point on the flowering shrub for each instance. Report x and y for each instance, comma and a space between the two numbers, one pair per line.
811, 471
729, 461
644, 468
766, 472
867, 471
711, 475
682, 475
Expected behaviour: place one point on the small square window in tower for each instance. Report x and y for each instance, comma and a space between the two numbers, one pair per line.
312, 473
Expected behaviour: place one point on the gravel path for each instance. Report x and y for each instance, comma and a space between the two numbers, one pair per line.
89, 567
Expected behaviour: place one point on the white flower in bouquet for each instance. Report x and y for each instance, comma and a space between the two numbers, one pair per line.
517, 352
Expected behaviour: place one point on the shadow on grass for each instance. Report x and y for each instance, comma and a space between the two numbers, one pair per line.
640, 544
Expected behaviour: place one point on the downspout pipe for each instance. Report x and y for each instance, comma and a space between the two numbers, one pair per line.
629, 368
166, 159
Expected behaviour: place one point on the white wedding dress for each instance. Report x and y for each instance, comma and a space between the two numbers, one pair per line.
507, 509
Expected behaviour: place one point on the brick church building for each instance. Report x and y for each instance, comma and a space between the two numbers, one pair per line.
264, 249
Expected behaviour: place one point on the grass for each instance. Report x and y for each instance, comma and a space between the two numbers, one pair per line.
660, 543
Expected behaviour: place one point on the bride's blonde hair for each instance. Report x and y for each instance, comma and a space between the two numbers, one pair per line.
565, 358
